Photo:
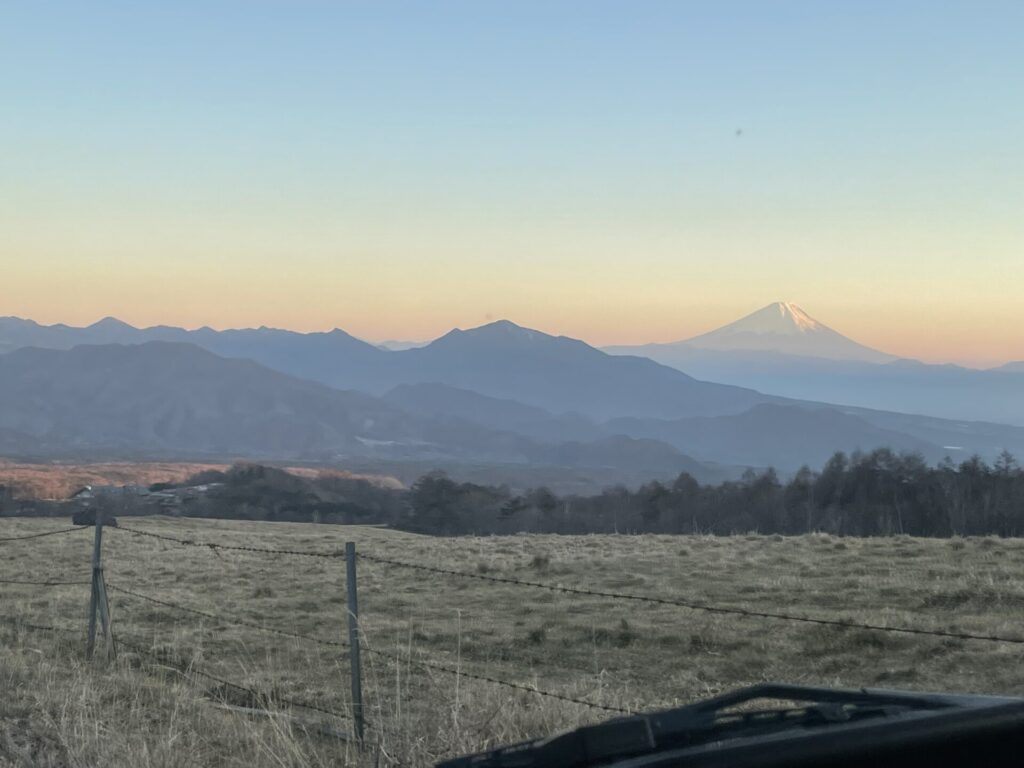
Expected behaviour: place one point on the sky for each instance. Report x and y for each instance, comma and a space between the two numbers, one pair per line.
617, 172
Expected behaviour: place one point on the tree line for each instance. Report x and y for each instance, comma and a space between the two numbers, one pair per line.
864, 494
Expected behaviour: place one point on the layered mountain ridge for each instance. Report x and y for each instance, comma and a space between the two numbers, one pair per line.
499, 393
169, 399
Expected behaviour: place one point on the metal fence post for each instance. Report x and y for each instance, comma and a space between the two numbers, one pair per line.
353, 639
94, 598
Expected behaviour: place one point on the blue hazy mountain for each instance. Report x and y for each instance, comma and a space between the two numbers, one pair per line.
777, 435
393, 345
441, 400
315, 356
784, 435
169, 397
501, 360
782, 350
560, 374
503, 393
175, 400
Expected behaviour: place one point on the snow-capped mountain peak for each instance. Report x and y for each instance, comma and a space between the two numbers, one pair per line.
781, 317
785, 327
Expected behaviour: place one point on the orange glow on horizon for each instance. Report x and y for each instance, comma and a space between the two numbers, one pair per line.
979, 340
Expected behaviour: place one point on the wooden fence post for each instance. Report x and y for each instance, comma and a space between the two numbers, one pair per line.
353, 639
98, 603
94, 597
103, 604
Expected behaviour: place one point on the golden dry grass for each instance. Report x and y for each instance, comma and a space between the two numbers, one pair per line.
58, 481
61, 711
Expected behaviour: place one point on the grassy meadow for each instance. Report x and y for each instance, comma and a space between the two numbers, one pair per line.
60, 710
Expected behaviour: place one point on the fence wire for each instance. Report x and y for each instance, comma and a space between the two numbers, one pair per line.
51, 583
220, 619
59, 532
228, 547
692, 605
458, 672
335, 644
16, 621
187, 670
423, 664
194, 671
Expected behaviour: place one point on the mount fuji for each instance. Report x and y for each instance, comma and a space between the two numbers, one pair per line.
783, 350
784, 328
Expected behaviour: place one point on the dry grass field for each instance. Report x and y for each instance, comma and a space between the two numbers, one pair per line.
60, 710
58, 481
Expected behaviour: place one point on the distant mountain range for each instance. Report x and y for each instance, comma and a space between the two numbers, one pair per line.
782, 350
314, 356
500, 359
780, 433
499, 394
167, 399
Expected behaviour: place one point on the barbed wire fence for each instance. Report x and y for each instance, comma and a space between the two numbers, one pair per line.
99, 618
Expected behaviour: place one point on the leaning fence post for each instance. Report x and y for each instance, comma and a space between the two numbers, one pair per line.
353, 639
103, 604
94, 598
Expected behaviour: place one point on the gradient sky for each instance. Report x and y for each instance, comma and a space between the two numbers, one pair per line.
616, 171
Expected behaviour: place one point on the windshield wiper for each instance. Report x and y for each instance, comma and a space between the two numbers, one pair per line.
727, 731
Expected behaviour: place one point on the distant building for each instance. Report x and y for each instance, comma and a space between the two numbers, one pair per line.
166, 498
91, 492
